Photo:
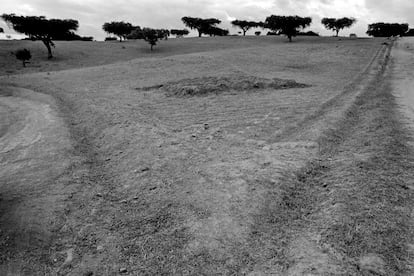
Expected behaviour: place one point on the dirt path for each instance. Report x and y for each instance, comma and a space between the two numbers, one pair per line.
35, 153
403, 89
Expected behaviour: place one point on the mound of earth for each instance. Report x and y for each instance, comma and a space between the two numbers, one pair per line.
215, 85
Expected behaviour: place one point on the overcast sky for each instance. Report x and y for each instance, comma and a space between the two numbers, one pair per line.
91, 14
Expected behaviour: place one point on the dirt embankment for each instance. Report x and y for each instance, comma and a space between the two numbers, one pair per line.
37, 166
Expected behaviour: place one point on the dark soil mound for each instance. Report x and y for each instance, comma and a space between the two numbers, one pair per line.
215, 85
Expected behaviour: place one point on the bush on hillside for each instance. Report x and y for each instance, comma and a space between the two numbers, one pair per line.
23, 55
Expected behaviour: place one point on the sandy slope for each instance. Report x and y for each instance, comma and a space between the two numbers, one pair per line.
193, 185
35, 152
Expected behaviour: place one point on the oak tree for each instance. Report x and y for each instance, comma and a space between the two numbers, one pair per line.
200, 24
337, 24
121, 29
245, 25
152, 36
287, 25
387, 29
40, 28
215, 31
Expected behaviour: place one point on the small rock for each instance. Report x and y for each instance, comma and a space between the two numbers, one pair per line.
108, 159
135, 197
372, 263
69, 257
124, 201
123, 270
194, 135
206, 126
267, 148
88, 273
99, 248
144, 169
99, 195
152, 188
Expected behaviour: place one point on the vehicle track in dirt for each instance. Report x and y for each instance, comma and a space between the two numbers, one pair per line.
402, 83
197, 185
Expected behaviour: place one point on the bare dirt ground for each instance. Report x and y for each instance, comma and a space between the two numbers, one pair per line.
265, 159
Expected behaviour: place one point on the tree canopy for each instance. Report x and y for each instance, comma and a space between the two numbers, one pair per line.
179, 33
163, 33
121, 29
40, 28
152, 36
337, 24
215, 31
287, 25
410, 32
387, 29
136, 33
203, 26
245, 25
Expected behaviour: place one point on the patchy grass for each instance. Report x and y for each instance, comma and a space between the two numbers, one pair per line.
353, 199
79, 54
211, 163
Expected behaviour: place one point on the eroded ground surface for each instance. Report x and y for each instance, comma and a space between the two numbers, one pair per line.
178, 165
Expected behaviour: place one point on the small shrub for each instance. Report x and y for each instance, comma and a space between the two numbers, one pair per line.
110, 38
257, 33
24, 55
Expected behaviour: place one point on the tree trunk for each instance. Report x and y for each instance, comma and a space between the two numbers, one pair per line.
152, 46
199, 33
290, 38
244, 33
49, 49
337, 33
24, 63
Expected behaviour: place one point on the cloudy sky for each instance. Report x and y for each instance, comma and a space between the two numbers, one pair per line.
91, 14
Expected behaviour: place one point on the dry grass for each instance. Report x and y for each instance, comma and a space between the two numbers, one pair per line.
79, 54
354, 195
203, 86
233, 197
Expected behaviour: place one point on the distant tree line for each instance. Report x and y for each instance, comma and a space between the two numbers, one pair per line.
179, 33
49, 30
387, 29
